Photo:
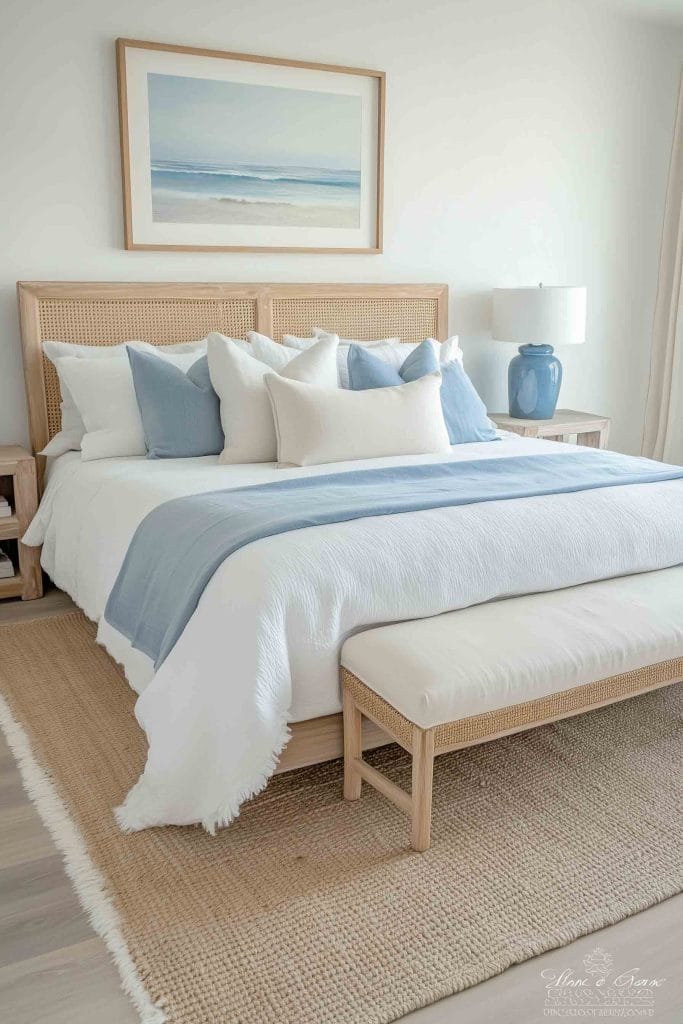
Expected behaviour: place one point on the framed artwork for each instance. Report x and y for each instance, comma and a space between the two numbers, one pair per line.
231, 152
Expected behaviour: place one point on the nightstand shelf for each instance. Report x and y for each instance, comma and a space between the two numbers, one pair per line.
18, 484
9, 528
590, 430
13, 587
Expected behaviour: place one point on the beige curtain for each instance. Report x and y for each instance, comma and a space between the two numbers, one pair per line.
663, 432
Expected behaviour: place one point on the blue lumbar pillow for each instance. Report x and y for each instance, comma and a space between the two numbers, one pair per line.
463, 409
180, 411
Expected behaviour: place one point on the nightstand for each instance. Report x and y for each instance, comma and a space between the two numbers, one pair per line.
590, 431
19, 486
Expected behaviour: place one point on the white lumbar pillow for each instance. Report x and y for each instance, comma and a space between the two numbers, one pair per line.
314, 426
238, 380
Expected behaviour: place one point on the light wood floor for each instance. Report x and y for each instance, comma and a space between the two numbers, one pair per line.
55, 970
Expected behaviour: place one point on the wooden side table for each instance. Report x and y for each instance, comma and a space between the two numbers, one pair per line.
18, 484
591, 431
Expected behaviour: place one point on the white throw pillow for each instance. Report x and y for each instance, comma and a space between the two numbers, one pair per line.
72, 430
449, 350
238, 380
271, 353
315, 426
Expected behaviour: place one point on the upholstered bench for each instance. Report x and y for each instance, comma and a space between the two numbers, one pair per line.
469, 676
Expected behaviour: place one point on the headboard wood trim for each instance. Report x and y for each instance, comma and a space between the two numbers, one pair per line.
167, 311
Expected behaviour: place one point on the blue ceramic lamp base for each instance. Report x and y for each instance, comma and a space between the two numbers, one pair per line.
534, 378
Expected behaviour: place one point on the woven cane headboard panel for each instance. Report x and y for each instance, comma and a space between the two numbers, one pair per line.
411, 319
162, 314
158, 321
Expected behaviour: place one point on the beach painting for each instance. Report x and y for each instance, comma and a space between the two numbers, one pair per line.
239, 152
217, 170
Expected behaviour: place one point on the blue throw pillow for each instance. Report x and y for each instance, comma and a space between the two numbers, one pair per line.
367, 371
463, 410
180, 411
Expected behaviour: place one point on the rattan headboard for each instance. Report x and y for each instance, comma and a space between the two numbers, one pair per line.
108, 314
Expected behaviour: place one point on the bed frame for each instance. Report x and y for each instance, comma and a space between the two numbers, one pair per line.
167, 313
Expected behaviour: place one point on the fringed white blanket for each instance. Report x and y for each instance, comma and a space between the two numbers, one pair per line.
262, 648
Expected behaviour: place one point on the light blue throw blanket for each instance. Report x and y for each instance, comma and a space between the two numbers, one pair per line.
178, 547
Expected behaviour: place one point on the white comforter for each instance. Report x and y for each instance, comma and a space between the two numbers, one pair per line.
262, 648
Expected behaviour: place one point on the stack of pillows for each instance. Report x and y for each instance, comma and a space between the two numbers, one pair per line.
306, 401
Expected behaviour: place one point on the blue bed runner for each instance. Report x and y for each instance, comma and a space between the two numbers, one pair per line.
178, 547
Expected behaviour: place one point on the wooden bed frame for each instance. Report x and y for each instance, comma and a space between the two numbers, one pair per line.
166, 313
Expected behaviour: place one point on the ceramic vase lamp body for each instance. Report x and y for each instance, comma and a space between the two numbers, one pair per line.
536, 319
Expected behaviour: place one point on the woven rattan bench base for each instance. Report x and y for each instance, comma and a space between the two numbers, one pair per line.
424, 744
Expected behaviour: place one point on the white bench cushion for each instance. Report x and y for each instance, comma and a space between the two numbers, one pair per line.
506, 652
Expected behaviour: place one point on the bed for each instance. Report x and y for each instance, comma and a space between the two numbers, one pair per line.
269, 626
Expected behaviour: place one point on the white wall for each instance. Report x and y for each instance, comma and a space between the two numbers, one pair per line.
526, 141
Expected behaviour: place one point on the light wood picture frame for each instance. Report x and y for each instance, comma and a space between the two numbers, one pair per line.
234, 152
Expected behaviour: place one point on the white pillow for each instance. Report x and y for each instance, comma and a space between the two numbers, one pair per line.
271, 353
314, 425
73, 428
238, 380
319, 332
72, 431
449, 350
103, 392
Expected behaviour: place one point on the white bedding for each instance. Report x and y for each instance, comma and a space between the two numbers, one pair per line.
262, 648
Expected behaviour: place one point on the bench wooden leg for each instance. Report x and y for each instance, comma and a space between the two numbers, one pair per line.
421, 796
353, 749
418, 804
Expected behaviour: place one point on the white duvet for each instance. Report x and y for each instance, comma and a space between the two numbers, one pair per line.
262, 648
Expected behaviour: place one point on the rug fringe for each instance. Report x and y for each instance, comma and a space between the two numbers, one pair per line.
84, 874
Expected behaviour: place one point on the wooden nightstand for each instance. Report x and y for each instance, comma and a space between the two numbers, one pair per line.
19, 486
590, 431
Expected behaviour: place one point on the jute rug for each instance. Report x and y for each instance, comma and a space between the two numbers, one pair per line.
308, 910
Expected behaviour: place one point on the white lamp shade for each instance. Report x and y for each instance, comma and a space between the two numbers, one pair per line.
540, 315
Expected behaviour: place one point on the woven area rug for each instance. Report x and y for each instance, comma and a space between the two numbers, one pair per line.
308, 910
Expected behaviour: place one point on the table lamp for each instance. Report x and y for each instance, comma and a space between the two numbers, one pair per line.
536, 319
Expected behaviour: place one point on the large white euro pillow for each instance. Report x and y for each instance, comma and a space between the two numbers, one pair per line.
103, 393
246, 415
315, 426
73, 428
